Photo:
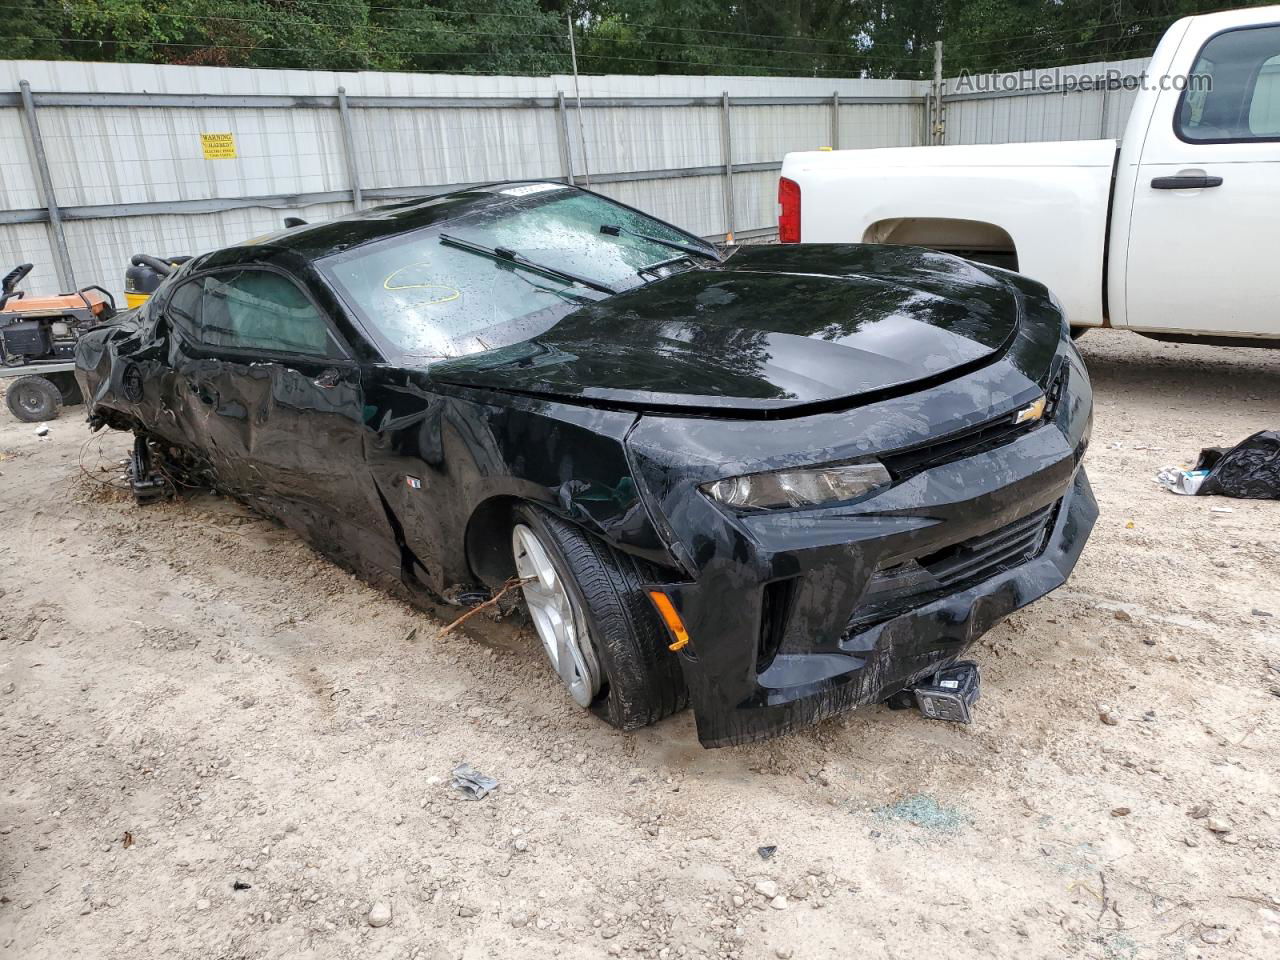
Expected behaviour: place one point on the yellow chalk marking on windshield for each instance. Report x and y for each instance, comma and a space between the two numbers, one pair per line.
453, 294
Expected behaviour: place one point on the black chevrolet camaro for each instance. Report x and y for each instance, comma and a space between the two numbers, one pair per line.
775, 482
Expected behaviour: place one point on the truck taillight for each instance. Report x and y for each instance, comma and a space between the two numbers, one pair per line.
788, 211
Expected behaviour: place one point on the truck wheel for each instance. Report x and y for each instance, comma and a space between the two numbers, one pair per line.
33, 399
598, 628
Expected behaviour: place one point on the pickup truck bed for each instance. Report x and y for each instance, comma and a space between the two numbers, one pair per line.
929, 195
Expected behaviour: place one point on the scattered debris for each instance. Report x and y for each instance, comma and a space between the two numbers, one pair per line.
241, 885
42, 431
380, 914
1121, 811
1185, 482
472, 783
1107, 715
1250, 470
1218, 826
127, 840
766, 852
922, 810
506, 588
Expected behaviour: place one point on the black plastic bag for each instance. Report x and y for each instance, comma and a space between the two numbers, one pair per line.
1249, 470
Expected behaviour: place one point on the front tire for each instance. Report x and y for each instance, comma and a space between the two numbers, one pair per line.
33, 399
622, 668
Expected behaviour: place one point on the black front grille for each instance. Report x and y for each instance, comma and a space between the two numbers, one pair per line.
915, 582
968, 443
984, 556
980, 439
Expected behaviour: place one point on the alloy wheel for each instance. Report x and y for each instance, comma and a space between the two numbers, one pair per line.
556, 616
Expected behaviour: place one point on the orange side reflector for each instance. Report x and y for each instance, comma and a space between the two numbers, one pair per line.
671, 618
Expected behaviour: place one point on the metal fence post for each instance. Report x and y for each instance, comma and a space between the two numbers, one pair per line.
62, 261
939, 129
726, 145
835, 120
566, 143
577, 94
349, 145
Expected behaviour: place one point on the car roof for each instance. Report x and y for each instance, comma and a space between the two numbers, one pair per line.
313, 241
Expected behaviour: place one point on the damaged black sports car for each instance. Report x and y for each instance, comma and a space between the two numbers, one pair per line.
775, 482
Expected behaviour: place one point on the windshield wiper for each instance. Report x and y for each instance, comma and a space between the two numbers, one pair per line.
613, 230
519, 260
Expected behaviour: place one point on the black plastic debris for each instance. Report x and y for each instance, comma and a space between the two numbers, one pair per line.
951, 693
1248, 471
766, 852
473, 784
241, 885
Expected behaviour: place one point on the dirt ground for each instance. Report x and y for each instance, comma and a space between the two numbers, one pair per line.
215, 744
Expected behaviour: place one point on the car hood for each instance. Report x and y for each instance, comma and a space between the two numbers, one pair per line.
772, 329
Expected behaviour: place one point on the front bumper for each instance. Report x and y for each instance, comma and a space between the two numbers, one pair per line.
797, 615
868, 666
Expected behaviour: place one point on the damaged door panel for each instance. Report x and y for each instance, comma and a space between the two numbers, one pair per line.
771, 483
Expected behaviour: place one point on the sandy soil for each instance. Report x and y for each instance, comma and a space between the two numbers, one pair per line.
193, 701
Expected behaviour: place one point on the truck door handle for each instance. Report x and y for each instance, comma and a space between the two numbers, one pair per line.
1185, 183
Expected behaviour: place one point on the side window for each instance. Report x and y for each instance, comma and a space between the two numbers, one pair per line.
259, 310
1233, 93
1264, 107
184, 307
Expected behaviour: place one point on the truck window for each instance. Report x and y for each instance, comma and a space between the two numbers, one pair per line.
1233, 92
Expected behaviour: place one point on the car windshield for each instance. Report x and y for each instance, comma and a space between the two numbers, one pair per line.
434, 299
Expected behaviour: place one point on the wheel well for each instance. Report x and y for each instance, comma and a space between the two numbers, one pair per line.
488, 541
974, 239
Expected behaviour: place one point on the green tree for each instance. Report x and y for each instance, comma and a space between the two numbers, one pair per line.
843, 38
468, 36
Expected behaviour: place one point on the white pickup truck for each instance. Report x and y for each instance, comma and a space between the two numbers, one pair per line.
1172, 232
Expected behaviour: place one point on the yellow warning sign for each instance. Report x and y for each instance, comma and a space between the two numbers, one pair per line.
218, 146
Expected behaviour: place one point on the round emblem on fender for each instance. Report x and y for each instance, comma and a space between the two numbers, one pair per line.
132, 380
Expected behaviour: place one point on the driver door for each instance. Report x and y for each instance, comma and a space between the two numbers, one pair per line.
274, 391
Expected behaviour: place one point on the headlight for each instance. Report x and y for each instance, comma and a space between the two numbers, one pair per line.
799, 488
